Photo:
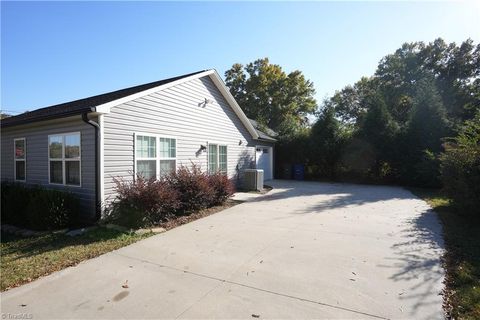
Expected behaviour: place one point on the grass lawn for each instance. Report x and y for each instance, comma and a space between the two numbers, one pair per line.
25, 259
462, 239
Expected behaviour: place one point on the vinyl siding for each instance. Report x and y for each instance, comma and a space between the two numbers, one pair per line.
176, 112
36, 136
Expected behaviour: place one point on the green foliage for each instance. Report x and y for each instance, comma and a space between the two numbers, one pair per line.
326, 144
38, 208
421, 141
271, 97
460, 167
400, 115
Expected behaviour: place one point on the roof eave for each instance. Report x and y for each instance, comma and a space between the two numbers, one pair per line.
42, 118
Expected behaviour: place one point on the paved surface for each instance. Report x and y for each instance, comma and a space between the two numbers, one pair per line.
304, 250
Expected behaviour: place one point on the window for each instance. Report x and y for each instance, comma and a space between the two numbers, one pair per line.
217, 158
168, 154
64, 157
146, 156
20, 159
153, 163
222, 159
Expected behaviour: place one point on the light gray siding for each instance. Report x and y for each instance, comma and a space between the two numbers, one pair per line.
36, 136
176, 112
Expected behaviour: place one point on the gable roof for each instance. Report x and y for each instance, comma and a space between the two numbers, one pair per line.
103, 102
262, 135
84, 105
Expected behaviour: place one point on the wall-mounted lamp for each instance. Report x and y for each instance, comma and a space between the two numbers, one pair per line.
240, 142
203, 104
201, 150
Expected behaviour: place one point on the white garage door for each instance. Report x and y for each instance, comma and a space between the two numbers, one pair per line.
265, 161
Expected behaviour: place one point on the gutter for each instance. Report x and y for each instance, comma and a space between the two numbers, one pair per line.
97, 163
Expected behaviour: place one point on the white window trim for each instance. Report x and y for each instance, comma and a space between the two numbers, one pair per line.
218, 144
63, 159
15, 159
157, 152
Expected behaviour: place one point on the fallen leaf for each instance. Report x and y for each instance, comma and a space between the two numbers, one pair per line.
255, 315
23, 305
354, 273
125, 285
352, 279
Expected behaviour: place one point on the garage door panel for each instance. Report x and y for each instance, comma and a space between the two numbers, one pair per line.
264, 161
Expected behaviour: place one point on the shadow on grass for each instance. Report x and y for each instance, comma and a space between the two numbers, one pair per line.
27, 247
462, 259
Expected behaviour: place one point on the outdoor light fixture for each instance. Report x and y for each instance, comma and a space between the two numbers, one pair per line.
203, 104
203, 148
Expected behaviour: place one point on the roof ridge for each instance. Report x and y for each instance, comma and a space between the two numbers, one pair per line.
85, 104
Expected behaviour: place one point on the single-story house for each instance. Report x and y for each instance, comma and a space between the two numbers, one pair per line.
150, 129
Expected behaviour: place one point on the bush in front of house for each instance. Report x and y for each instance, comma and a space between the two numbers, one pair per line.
223, 188
143, 202
147, 202
37, 208
194, 188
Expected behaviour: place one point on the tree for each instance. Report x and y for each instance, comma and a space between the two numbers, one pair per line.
379, 130
326, 143
273, 98
349, 103
422, 138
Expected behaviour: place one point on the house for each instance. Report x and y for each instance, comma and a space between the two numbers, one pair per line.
150, 129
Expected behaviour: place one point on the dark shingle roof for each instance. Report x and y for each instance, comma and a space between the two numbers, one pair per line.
83, 105
262, 135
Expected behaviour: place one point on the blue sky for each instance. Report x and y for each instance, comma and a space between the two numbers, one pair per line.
53, 52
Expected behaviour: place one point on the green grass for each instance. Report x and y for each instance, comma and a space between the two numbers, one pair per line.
25, 259
462, 240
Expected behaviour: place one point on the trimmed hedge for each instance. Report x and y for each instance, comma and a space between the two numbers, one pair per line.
143, 202
37, 208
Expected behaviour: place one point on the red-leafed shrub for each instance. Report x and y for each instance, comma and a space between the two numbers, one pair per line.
144, 202
223, 188
194, 188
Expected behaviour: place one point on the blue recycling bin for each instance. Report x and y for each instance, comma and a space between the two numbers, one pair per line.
298, 171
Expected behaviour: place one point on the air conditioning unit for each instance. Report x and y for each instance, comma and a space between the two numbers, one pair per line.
254, 179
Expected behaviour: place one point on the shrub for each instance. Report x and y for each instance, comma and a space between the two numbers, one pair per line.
143, 202
223, 188
460, 168
194, 188
38, 208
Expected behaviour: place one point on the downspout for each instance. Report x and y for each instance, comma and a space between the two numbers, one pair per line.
97, 164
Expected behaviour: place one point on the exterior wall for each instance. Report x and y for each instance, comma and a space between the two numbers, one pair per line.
36, 136
176, 112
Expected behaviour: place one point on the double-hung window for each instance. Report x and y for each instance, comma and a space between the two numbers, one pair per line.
20, 147
168, 155
154, 156
217, 158
64, 155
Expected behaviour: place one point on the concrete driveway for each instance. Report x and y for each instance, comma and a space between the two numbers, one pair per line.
304, 250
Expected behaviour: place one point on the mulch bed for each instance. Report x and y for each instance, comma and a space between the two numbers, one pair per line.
178, 221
